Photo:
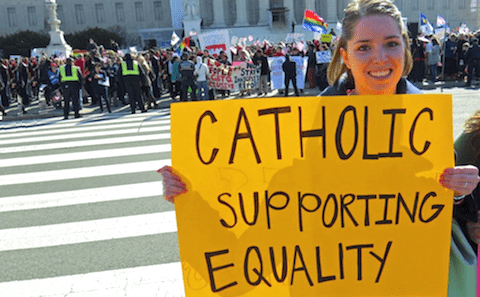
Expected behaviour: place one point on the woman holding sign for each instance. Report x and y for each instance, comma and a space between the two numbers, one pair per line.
372, 57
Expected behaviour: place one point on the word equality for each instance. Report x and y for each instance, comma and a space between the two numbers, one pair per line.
348, 118
297, 265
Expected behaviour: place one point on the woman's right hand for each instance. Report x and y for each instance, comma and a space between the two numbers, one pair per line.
172, 184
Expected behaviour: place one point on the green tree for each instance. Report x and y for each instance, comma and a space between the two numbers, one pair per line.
79, 40
22, 42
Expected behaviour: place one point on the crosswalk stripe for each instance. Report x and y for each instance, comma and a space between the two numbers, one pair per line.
51, 142
84, 128
94, 171
89, 155
80, 143
84, 196
65, 136
88, 231
144, 281
48, 124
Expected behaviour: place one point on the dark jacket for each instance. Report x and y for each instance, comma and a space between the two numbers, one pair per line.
290, 68
186, 69
467, 146
265, 68
473, 54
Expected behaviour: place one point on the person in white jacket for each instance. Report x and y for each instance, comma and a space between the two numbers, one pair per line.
202, 73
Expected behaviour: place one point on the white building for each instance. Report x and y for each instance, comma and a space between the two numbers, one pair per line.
151, 21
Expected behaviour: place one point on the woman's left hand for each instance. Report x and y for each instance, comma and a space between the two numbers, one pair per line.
461, 179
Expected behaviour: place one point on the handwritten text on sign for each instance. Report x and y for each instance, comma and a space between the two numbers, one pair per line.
330, 196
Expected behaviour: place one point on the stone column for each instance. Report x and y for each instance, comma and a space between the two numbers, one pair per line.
290, 14
242, 12
310, 5
332, 12
218, 14
264, 14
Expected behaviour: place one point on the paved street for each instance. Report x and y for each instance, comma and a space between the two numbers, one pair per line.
81, 212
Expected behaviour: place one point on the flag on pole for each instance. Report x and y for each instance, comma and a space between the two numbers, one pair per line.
463, 29
185, 44
175, 39
425, 25
312, 22
441, 21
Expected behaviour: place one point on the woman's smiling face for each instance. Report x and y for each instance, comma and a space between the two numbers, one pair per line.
375, 55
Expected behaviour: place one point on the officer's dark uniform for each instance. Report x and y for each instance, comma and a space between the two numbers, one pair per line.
130, 74
71, 80
472, 58
186, 69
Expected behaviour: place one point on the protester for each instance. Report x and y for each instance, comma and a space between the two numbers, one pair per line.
371, 58
261, 60
433, 57
472, 60
202, 73
289, 67
176, 82
311, 66
99, 89
146, 84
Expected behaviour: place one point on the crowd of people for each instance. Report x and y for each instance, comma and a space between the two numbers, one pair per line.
183, 76
457, 58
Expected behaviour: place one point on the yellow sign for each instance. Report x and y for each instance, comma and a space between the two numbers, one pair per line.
326, 38
315, 196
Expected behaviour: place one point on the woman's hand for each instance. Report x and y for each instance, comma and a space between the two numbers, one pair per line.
461, 179
172, 184
473, 230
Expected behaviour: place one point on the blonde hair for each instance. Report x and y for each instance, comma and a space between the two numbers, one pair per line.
353, 13
141, 60
472, 125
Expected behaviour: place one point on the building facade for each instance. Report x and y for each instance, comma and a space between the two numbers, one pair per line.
152, 21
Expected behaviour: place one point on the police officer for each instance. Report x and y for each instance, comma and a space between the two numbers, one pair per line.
472, 59
186, 69
71, 79
131, 75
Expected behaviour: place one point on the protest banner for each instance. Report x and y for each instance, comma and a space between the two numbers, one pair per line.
326, 38
240, 76
277, 76
292, 37
314, 196
323, 56
215, 42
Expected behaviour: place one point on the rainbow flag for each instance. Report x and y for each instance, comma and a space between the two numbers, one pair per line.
185, 44
312, 22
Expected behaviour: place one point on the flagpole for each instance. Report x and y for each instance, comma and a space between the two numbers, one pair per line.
443, 58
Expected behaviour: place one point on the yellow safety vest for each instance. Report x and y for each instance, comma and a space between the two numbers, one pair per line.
65, 78
134, 71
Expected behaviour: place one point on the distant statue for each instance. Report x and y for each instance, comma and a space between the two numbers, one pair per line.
191, 9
